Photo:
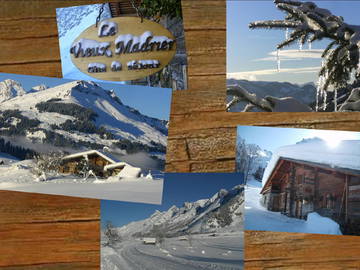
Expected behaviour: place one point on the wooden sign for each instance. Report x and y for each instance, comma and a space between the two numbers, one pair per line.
122, 49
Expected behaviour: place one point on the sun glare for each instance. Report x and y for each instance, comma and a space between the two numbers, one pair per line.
334, 138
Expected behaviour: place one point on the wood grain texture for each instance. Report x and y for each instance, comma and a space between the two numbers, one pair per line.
276, 250
55, 232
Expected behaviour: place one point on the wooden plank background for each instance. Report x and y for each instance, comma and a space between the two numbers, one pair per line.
56, 233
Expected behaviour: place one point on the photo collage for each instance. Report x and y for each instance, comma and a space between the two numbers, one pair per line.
179, 134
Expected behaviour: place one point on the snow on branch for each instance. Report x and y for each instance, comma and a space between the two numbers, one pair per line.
242, 95
311, 23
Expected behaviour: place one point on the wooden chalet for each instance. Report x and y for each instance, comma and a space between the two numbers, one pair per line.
104, 164
297, 187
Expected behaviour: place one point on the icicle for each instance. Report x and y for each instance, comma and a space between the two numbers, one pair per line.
310, 44
300, 45
320, 93
287, 33
325, 97
278, 60
335, 99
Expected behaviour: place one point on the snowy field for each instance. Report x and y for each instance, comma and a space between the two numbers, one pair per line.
7, 159
259, 218
222, 252
17, 176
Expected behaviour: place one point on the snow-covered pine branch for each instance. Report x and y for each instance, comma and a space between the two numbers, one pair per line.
310, 23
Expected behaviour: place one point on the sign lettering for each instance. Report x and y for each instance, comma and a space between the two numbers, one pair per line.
123, 48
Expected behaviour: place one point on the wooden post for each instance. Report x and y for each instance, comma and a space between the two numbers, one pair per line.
346, 197
316, 189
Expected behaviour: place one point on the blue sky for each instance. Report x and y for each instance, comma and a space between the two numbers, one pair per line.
248, 50
178, 188
271, 138
151, 101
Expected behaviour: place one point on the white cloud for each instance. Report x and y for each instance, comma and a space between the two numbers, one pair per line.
252, 75
286, 55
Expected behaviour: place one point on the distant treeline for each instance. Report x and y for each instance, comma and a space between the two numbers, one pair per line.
16, 151
135, 147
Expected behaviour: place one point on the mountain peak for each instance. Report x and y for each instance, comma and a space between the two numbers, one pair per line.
40, 87
9, 89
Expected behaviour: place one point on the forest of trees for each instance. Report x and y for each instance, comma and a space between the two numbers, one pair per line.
135, 147
23, 123
15, 151
71, 109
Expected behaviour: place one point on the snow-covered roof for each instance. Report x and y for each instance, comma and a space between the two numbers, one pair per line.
115, 165
346, 155
106, 156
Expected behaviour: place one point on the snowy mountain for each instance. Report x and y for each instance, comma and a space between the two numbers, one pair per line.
305, 93
40, 87
222, 212
10, 89
78, 115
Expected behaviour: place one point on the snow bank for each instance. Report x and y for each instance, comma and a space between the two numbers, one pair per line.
258, 218
319, 224
345, 155
129, 172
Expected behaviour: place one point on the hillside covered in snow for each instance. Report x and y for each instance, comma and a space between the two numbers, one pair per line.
205, 234
75, 116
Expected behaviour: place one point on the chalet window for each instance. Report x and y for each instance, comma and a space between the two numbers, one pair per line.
299, 179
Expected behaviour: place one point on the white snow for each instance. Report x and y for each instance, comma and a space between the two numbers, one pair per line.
138, 64
345, 155
80, 47
115, 66
222, 252
17, 176
140, 40
9, 89
129, 172
96, 67
7, 159
113, 116
259, 218
107, 28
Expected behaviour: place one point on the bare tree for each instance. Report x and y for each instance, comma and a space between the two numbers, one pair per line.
47, 163
158, 232
245, 158
112, 236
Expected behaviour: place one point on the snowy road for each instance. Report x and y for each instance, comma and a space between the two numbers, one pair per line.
220, 253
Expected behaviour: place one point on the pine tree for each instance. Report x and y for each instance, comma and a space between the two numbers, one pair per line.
310, 23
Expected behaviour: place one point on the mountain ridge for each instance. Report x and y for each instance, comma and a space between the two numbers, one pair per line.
221, 212
81, 115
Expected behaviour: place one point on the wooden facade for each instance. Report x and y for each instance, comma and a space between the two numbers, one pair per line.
96, 162
296, 188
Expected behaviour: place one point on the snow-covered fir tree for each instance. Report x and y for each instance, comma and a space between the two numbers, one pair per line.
338, 87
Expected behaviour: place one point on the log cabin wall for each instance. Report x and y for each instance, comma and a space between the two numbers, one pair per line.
201, 139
